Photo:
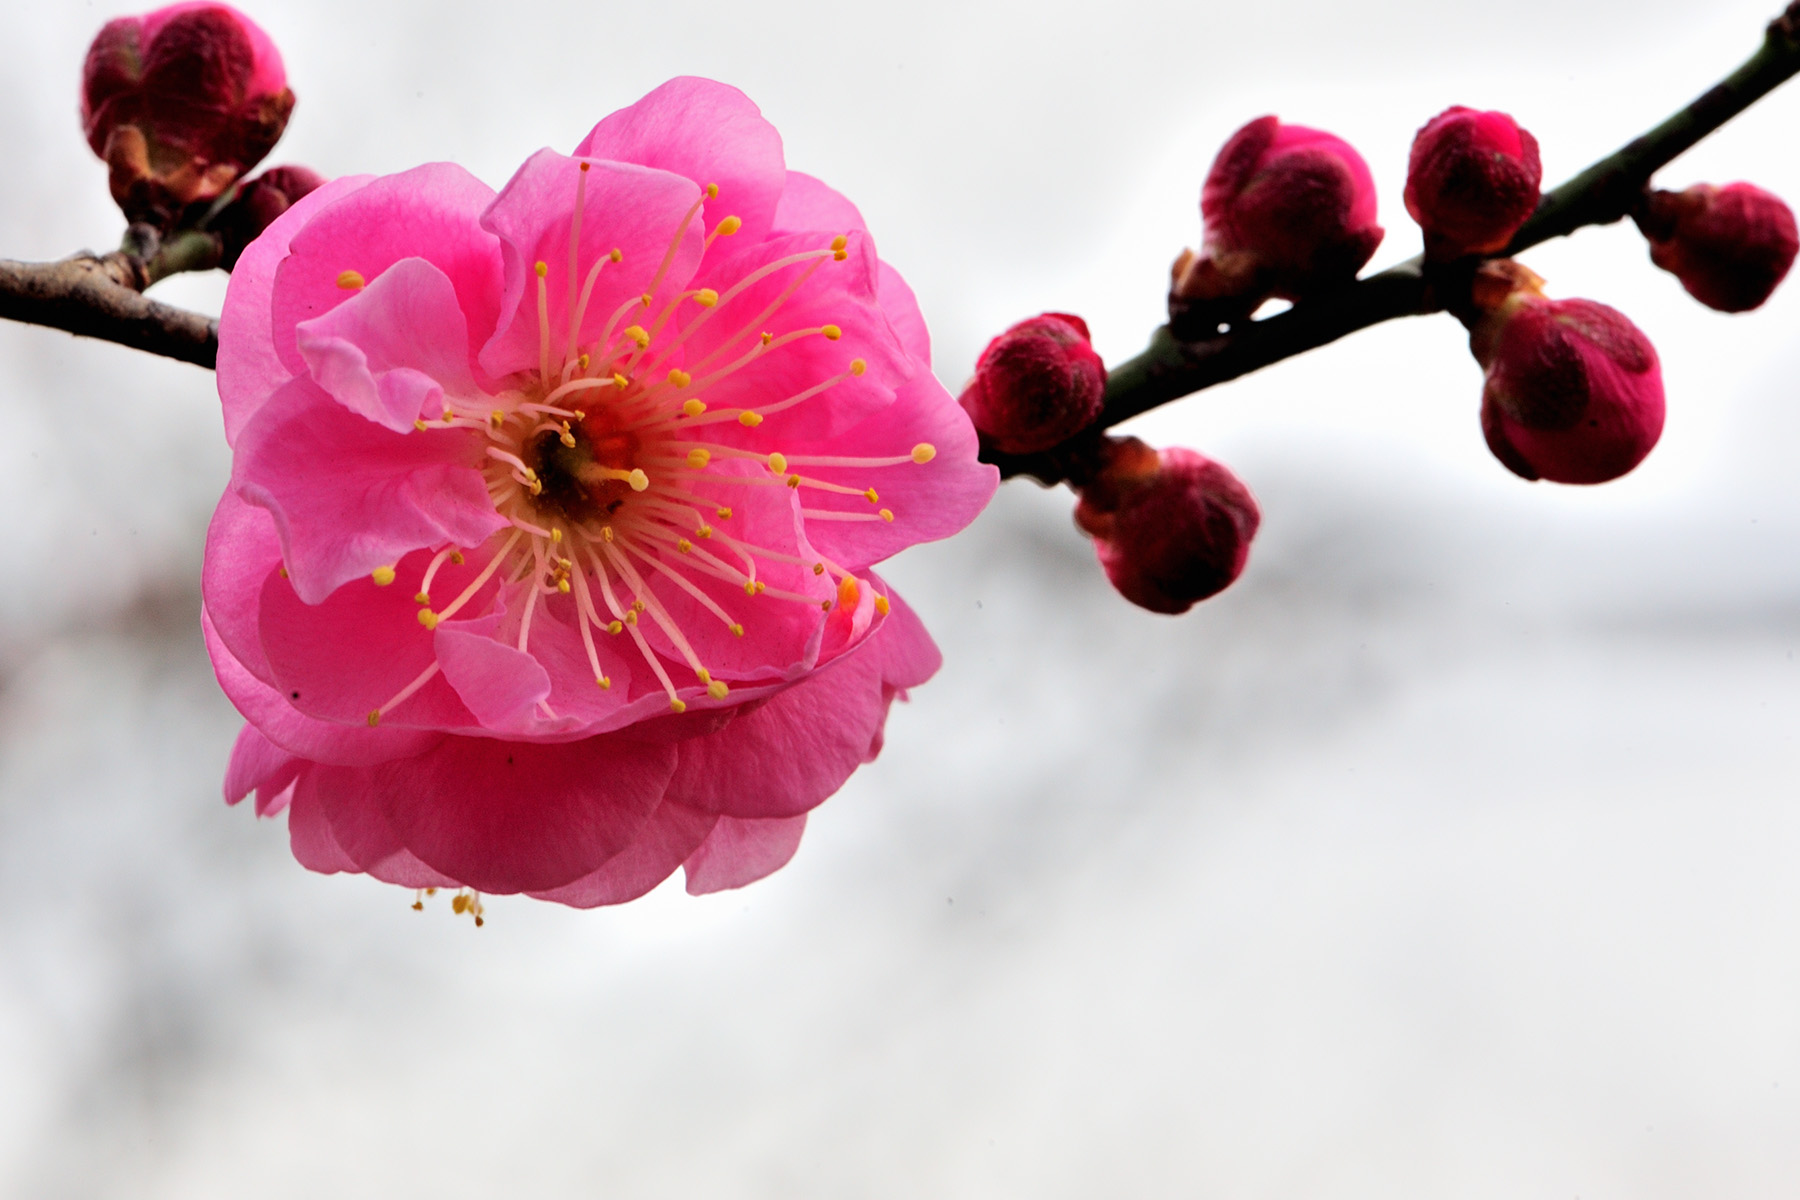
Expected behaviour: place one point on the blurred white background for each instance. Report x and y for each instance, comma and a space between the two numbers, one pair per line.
1451, 853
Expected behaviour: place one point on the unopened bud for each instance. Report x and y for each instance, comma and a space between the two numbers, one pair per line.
180, 103
256, 206
1574, 392
1729, 246
1037, 384
1170, 527
1471, 182
1289, 212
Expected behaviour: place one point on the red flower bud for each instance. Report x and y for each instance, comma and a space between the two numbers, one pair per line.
1471, 182
180, 103
1729, 246
256, 206
1170, 527
1289, 212
1574, 392
1036, 385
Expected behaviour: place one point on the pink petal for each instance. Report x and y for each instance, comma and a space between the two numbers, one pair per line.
359, 828
902, 309
834, 293
311, 840
673, 832
241, 552
391, 352
343, 658
908, 655
707, 132
259, 765
511, 816
249, 368
633, 209
430, 212
501, 685
810, 206
929, 500
738, 852
348, 496
300, 735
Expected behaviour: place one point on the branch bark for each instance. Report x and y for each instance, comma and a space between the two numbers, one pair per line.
100, 296
1606, 192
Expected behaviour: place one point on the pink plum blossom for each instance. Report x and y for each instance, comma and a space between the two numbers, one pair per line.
546, 564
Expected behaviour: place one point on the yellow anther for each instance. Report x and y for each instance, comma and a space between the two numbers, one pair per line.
542, 269
428, 619
530, 475
832, 333
723, 512
848, 592
496, 418
858, 366
565, 563
778, 462
568, 439
638, 334
620, 382
604, 682
382, 576
749, 420
881, 605
872, 495
717, 689
449, 416
631, 616
749, 587
818, 568
556, 535
374, 716
637, 606
582, 362
887, 514
825, 606
705, 531
703, 674
729, 226
282, 571
677, 704
706, 297
683, 545
737, 630
420, 425
767, 338
793, 481
616, 255
607, 533
615, 627
645, 300
839, 255
456, 556
350, 280
712, 191
693, 408
638, 480
839, 242
562, 585
679, 377
699, 458
761, 587
422, 598
459, 903
924, 452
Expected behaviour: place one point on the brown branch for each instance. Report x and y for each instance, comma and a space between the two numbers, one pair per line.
100, 296
1171, 368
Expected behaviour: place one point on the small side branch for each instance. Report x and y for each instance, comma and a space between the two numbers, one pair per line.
100, 296
1606, 192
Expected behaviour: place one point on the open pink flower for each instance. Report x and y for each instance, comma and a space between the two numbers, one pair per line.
546, 561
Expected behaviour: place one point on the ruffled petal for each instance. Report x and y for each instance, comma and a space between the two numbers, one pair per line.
359, 827
431, 212
513, 816
635, 210
393, 351
673, 832
348, 496
242, 551
259, 765
249, 368
738, 852
707, 132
